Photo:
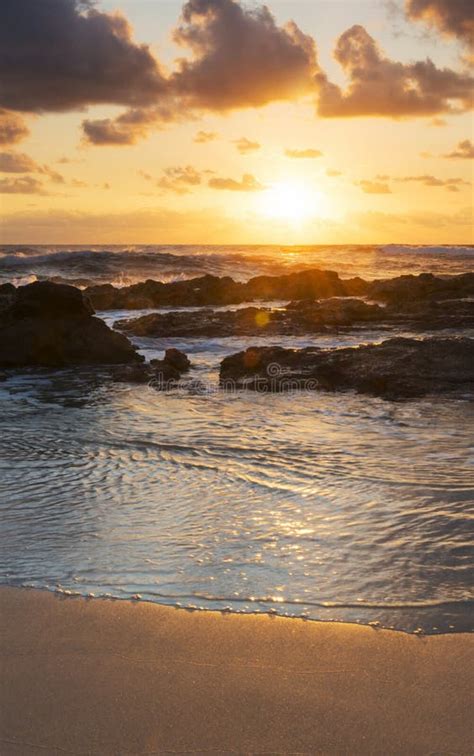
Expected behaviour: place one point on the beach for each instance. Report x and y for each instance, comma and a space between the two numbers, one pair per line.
100, 677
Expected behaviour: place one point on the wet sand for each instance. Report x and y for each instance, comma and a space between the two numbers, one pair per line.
102, 677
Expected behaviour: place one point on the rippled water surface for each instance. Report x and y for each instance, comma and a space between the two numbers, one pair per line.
329, 506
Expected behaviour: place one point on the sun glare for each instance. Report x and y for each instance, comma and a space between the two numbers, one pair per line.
290, 201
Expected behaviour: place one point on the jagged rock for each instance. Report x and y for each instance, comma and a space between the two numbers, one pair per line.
160, 374
307, 316
52, 325
309, 284
213, 291
422, 287
396, 368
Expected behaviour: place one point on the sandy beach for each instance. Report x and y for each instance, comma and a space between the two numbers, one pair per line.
98, 677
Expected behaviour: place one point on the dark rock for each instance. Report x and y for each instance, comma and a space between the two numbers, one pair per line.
423, 287
160, 374
307, 316
49, 300
178, 360
53, 325
213, 291
396, 368
7, 295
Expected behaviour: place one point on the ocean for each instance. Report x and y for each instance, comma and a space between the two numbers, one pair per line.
327, 506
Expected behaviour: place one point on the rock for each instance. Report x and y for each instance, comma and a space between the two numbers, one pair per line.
431, 315
396, 368
161, 374
307, 316
177, 359
422, 287
214, 291
7, 295
53, 325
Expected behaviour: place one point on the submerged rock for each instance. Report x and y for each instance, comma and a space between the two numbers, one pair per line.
396, 368
49, 324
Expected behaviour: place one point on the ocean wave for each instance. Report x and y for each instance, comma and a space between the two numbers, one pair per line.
124, 265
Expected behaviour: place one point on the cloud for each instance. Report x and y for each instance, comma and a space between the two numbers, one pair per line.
24, 185
202, 137
240, 57
465, 150
374, 187
245, 146
17, 162
303, 154
248, 184
59, 55
12, 128
453, 18
451, 184
130, 126
438, 122
331, 172
379, 86
179, 179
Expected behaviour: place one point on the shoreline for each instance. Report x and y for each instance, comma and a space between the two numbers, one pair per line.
101, 676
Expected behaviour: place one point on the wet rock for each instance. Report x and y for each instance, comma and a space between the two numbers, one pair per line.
214, 291
431, 315
161, 374
425, 286
53, 325
396, 368
307, 316
177, 359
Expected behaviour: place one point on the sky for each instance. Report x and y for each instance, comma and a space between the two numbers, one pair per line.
224, 122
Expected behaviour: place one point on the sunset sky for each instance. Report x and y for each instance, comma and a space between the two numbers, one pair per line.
213, 121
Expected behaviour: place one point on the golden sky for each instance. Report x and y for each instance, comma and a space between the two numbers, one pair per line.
214, 121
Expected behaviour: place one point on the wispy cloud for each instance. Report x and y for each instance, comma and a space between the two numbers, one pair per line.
303, 154
245, 146
248, 184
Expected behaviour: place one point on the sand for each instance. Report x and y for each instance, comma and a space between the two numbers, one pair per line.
99, 677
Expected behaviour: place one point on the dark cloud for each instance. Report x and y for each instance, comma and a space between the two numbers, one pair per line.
464, 150
240, 56
12, 128
303, 154
245, 145
248, 184
374, 187
454, 18
60, 55
202, 137
24, 185
129, 127
379, 86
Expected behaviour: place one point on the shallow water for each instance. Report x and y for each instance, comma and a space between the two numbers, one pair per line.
328, 506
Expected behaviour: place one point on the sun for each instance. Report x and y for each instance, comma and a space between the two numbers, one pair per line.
289, 201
